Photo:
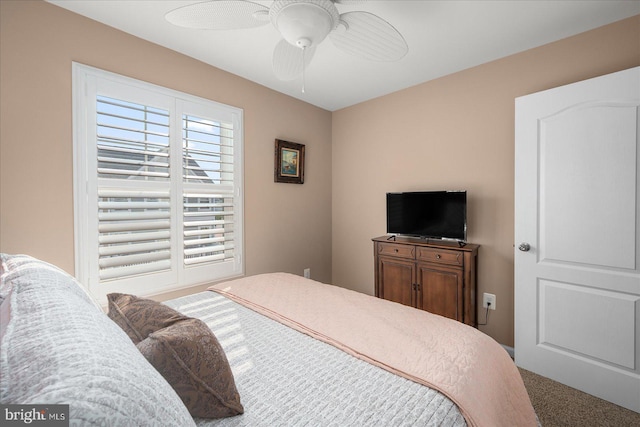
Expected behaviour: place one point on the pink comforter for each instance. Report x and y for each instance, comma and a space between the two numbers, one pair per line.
466, 365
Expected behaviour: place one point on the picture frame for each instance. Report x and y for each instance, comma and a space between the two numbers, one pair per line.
289, 162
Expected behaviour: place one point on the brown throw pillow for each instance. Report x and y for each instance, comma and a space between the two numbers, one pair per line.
139, 317
183, 350
190, 358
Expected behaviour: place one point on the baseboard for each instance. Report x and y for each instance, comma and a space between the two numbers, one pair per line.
509, 350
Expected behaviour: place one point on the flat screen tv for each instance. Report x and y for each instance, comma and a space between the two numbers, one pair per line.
428, 214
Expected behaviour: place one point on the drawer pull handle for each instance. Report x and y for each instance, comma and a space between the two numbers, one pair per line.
437, 256
395, 250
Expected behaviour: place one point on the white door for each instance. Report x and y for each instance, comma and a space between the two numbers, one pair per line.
577, 230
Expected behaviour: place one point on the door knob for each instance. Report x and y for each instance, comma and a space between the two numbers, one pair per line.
524, 247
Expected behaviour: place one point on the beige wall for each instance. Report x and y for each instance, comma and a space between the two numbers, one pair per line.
39, 41
455, 132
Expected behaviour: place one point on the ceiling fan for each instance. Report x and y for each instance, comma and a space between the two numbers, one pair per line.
303, 25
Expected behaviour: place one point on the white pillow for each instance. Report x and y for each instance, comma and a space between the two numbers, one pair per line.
59, 348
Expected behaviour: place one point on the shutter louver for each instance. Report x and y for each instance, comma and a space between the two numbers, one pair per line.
208, 228
133, 141
134, 232
134, 203
208, 191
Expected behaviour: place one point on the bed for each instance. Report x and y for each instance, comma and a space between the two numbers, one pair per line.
297, 352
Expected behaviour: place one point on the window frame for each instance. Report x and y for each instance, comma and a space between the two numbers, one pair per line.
89, 83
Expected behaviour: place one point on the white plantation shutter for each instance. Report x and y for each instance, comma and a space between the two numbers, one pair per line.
208, 228
208, 198
132, 140
134, 200
134, 232
158, 185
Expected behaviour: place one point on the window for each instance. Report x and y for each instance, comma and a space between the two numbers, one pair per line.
157, 184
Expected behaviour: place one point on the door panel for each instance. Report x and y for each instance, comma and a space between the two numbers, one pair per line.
601, 327
398, 278
577, 290
440, 290
588, 165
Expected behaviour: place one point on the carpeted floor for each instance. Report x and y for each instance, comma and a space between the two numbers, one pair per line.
558, 405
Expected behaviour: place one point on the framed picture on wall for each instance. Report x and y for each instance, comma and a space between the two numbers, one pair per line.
289, 162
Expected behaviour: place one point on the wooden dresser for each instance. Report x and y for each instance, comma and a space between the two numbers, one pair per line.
432, 275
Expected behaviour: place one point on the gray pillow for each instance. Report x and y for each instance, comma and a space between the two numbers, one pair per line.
59, 348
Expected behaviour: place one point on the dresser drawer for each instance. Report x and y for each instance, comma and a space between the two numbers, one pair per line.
440, 256
400, 251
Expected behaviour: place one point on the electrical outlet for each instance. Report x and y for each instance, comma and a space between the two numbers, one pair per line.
489, 298
307, 273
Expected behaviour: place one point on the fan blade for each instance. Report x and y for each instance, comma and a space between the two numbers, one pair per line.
288, 60
368, 36
220, 15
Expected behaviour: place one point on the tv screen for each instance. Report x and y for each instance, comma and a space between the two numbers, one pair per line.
428, 214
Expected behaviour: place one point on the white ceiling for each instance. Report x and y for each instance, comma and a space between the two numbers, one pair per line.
443, 37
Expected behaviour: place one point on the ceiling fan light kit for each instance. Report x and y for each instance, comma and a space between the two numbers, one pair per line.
303, 25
